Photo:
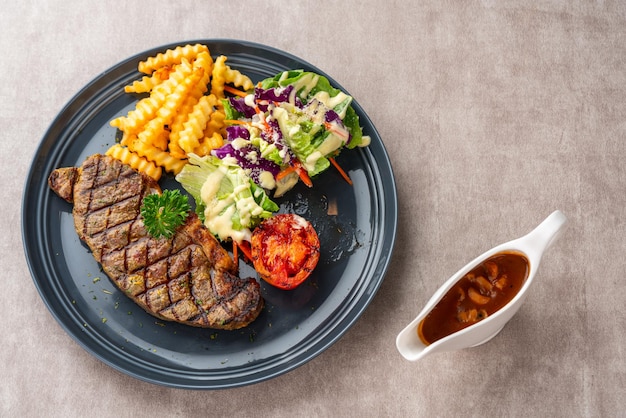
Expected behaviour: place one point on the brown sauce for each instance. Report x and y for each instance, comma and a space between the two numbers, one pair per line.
478, 294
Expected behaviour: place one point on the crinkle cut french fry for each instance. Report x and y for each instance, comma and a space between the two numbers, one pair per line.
160, 158
141, 164
193, 130
147, 83
177, 125
236, 78
146, 109
208, 144
161, 141
171, 57
165, 114
176, 99
205, 62
127, 138
216, 120
183, 112
218, 76
151, 134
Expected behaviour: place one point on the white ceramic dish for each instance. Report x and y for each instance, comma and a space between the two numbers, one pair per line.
533, 246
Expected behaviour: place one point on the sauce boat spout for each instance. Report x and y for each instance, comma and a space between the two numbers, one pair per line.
530, 246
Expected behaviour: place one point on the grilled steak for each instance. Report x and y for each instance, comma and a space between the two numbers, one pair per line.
188, 278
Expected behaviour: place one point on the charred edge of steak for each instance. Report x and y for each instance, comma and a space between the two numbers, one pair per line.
62, 180
189, 278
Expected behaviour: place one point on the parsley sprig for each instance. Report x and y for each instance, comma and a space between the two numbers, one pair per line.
163, 213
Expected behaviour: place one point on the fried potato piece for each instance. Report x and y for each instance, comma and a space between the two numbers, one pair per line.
178, 125
182, 113
147, 108
171, 57
147, 83
205, 62
216, 124
161, 158
218, 76
156, 129
140, 164
236, 78
208, 144
194, 127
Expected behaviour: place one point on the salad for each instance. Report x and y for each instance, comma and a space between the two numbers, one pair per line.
288, 129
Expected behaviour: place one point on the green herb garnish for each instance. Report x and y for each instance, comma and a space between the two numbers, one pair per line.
163, 213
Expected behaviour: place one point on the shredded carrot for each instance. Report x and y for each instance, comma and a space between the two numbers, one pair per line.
338, 167
245, 249
236, 122
329, 127
284, 173
297, 167
268, 128
235, 91
304, 176
236, 255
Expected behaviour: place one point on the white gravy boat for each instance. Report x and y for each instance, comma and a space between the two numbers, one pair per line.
532, 245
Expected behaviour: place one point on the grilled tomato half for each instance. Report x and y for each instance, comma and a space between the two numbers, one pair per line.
285, 250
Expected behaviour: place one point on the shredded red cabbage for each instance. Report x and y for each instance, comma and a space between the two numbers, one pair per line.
332, 116
248, 157
275, 136
237, 131
239, 104
276, 94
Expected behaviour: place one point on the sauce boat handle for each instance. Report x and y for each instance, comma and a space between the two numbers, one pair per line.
540, 238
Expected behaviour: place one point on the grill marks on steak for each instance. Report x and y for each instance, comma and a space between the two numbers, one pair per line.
188, 278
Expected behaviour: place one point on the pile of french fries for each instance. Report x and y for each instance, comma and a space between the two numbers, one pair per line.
182, 114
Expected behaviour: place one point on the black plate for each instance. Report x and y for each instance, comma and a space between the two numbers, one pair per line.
294, 327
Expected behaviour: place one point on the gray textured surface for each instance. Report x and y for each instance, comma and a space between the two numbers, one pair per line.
493, 113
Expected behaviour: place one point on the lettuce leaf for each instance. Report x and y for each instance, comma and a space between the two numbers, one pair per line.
231, 202
307, 85
301, 142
